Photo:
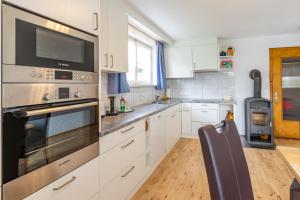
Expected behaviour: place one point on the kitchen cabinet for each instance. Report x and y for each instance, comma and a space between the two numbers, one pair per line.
173, 126
75, 13
124, 184
122, 161
179, 62
157, 144
80, 184
114, 36
206, 57
204, 114
186, 119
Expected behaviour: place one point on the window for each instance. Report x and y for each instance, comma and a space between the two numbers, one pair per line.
141, 58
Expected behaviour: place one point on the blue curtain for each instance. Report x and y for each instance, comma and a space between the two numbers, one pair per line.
117, 83
161, 68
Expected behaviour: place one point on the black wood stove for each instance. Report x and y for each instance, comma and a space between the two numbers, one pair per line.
258, 116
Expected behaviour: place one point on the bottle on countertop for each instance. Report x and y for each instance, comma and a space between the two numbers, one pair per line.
122, 104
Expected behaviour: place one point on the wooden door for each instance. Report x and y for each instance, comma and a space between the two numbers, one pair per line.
285, 91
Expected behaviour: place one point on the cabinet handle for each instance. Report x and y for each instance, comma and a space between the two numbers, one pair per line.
128, 129
126, 145
106, 60
112, 61
97, 21
204, 111
123, 176
173, 115
66, 183
185, 110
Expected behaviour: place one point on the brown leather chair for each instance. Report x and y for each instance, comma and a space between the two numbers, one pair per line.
225, 163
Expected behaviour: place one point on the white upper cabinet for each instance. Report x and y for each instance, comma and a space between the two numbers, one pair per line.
76, 13
179, 62
114, 36
206, 57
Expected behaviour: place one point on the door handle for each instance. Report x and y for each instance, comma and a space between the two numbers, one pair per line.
97, 21
106, 60
112, 61
275, 97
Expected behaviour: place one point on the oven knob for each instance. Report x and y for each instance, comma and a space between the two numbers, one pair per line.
82, 77
47, 97
77, 94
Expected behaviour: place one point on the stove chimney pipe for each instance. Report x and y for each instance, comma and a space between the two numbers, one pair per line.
256, 76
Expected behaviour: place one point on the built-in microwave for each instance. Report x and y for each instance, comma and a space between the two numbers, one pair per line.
35, 41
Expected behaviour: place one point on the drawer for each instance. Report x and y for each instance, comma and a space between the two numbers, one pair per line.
109, 141
205, 106
205, 116
196, 126
80, 184
125, 182
186, 105
116, 159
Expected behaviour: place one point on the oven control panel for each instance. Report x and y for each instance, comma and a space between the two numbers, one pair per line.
19, 74
33, 94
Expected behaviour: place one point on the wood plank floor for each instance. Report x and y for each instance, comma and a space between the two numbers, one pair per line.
181, 175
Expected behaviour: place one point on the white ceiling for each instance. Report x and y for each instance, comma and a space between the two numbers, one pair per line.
192, 19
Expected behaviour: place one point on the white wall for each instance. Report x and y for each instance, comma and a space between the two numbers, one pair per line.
254, 53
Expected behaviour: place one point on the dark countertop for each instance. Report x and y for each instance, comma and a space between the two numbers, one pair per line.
110, 124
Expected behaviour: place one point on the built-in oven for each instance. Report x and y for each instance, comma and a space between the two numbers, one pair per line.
43, 142
50, 109
34, 41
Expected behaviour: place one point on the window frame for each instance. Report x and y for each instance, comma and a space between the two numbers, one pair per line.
136, 83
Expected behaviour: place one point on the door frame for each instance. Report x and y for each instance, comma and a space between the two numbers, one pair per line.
272, 54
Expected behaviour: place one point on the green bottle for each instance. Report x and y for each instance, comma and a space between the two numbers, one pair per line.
122, 104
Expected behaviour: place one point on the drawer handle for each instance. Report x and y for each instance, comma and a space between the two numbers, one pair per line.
185, 110
66, 183
123, 176
204, 111
128, 129
173, 116
126, 145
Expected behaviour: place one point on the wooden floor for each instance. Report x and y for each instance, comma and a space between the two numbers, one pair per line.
182, 176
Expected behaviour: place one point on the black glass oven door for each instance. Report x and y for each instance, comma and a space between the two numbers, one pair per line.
37, 46
37, 138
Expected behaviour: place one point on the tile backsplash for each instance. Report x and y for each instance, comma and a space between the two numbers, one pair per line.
136, 96
205, 85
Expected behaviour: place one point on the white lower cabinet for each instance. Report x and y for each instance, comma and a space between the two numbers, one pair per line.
186, 121
157, 144
120, 156
122, 161
80, 184
205, 116
123, 185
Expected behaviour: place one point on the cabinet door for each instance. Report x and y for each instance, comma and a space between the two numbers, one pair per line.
157, 139
179, 62
206, 57
76, 13
178, 124
186, 121
117, 36
83, 15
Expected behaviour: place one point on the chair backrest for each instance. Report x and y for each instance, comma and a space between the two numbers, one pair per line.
225, 163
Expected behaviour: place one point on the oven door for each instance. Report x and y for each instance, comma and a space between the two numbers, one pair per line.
30, 40
48, 142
